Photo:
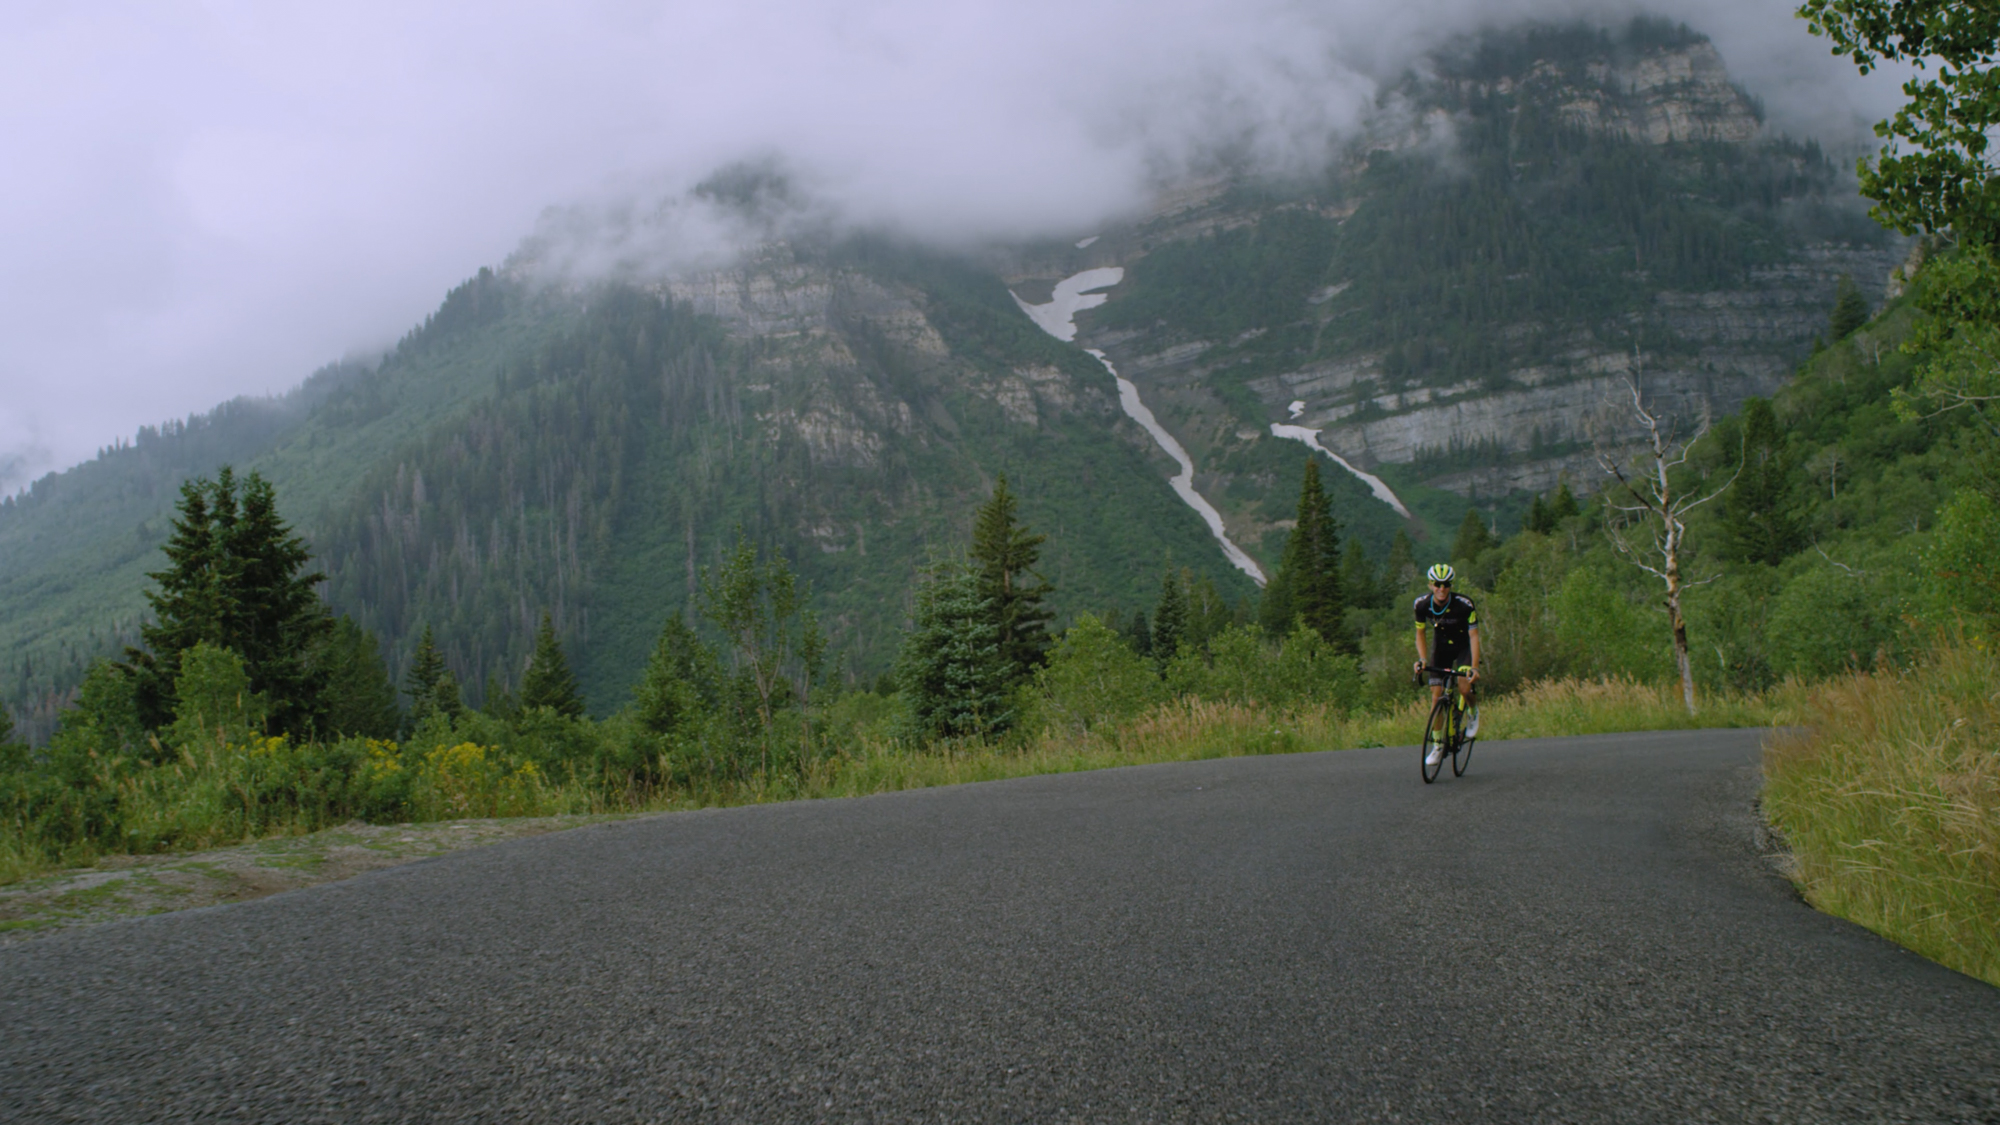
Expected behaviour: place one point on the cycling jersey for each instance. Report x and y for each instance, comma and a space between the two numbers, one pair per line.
1450, 626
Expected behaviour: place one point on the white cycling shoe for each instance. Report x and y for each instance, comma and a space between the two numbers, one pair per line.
1435, 756
1472, 726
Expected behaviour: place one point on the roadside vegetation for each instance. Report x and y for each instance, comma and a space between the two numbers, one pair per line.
1890, 802
1845, 580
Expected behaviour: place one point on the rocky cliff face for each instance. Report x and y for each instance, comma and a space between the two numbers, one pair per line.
1554, 386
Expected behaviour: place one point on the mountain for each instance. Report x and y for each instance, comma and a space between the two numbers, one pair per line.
1448, 305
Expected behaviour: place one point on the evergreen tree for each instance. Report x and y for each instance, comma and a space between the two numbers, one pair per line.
445, 698
1139, 638
1170, 616
1473, 538
1539, 519
421, 681
359, 698
498, 700
1563, 506
1307, 585
1208, 613
1758, 522
1850, 310
234, 580
950, 669
548, 682
13, 751
1360, 579
1004, 554
680, 680
1400, 572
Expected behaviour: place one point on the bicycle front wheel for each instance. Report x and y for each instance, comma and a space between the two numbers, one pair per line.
1437, 734
1461, 751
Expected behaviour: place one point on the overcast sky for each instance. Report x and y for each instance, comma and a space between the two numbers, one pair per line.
206, 199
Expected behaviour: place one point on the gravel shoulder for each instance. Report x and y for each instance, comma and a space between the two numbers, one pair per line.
130, 886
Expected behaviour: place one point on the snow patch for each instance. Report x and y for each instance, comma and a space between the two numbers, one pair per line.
1375, 484
1084, 244
1058, 318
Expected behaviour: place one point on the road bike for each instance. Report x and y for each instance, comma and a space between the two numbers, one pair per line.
1446, 729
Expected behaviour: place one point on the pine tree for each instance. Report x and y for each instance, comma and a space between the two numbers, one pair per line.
1473, 538
278, 618
1538, 519
1360, 579
1400, 572
950, 670
359, 698
680, 680
1564, 505
1170, 616
13, 751
1307, 586
1004, 554
1758, 523
235, 579
1139, 638
421, 681
548, 682
1850, 310
445, 698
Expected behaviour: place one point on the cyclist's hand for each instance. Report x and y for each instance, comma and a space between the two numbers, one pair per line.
1418, 669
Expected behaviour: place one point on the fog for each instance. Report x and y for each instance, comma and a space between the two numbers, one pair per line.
213, 199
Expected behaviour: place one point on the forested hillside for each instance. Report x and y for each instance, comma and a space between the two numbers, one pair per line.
1448, 303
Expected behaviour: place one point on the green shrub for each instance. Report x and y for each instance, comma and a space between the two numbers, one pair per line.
1091, 680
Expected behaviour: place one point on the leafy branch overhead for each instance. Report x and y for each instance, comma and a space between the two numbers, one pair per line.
1937, 173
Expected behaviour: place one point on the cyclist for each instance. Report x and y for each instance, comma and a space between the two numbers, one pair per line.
1454, 624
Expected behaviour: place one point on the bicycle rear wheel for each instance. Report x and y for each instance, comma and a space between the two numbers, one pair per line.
1437, 733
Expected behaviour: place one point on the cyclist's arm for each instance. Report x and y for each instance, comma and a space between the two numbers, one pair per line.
1473, 632
1423, 650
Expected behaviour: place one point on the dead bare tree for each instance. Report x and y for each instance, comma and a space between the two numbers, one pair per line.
1663, 509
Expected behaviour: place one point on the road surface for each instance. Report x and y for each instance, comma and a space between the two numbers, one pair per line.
1578, 930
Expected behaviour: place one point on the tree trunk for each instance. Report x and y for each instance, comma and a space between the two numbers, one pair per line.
1681, 663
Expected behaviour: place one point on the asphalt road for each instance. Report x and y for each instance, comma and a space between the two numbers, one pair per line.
1578, 930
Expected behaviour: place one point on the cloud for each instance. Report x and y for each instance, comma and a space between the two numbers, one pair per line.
213, 198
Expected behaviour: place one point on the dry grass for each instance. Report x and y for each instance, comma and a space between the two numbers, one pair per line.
1194, 729
1891, 804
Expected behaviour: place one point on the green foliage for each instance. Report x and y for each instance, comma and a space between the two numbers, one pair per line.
236, 579
548, 682
213, 703
1170, 617
1760, 512
1936, 172
1958, 336
358, 698
1959, 578
1005, 554
756, 604
682, 678
1828, 620
1850, 310
951, 672
1091, 681
1243, 665
1473, 539
1307, 586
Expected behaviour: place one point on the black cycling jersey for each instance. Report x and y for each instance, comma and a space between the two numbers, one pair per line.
1450, 627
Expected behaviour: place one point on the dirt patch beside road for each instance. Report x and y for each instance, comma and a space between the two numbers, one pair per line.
124, 886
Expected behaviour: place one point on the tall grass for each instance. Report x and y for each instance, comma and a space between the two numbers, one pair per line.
1890, 800
226, 794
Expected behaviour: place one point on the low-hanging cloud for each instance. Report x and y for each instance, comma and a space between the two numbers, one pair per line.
213, 199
